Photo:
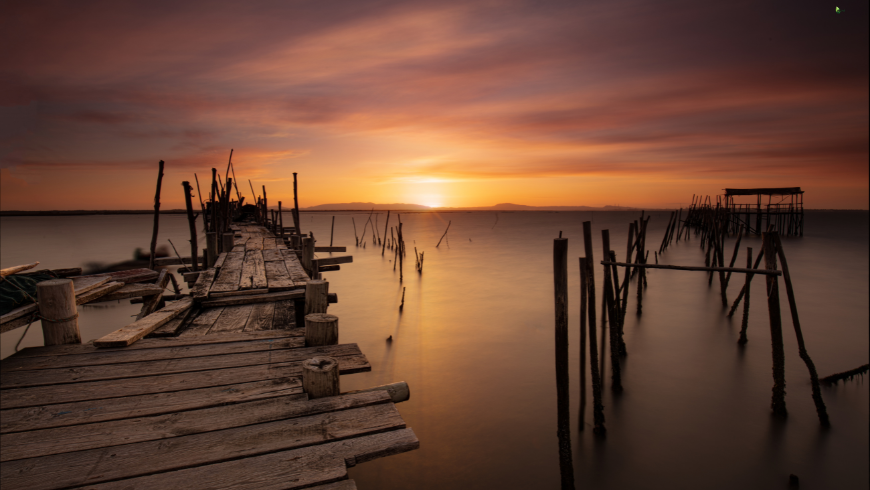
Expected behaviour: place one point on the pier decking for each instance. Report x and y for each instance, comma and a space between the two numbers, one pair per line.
212, 398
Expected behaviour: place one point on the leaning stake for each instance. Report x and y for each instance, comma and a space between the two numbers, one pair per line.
156, 215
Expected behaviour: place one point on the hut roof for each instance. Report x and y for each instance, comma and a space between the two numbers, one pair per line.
764, 191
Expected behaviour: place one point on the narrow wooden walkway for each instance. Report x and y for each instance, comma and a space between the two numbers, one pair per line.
218, 405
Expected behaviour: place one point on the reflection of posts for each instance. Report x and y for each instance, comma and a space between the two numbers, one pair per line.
563, 395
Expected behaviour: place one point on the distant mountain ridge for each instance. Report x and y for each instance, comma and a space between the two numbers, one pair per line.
367, 206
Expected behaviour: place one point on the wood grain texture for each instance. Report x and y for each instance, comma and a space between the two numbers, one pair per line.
102, 357
89, 411
127, 277
254, 243
201, 324
140, 328
335, 260
83, 284
203, 284
175, 326
272, 255
220, 260
269, 244
229, 275
136, 290
99, 292
227, 294
253, 271
150, 304
38, 443
99, 390
294, 267
233, 319
298, 468
261, 317
277, 277
254, 298
285, 316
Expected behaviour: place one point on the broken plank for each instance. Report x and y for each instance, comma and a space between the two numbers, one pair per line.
33, 444
174, 326
230, 273
220, 260
100, 357
137, 290
152, 303
114, 388
233, 319
296, 468
98, 293
19, 322
140, 328
127, 277
203, 321
255, 298
145, 458
277, 277
83, 284
203, 284
253, 271
261, 317
88, 412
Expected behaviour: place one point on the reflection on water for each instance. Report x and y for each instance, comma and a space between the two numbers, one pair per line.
475, 343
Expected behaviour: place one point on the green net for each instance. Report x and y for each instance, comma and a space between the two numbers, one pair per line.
19, 290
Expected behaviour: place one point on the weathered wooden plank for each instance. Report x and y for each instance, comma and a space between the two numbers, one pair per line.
220, 260
278, 277
127, 277
164, 261
98, 390
297, 468
255, 298
18, 313
254, 243
269, 244
253, 271
294, 267
174, 326
285, 316
239, 241
201, 324
149, 305
92, 466
98, 293
100, 357
347, 259
18, 322
203, 284
140, 328
83, 284
261, 317
240, 248
330, 249
45, 442
245, 292
132, 407
233, 319
16, 269
158, 343
228, 278
272, 255
136, 290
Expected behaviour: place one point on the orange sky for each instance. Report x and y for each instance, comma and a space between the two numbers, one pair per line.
438, 103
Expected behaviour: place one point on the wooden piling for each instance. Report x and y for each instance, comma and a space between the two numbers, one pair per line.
156, 216
563, 394
598, 407
734, 255
401, 251
316, 292
320, 377
296, 219
821, 410
615, 373
386, 225
201, 205
227, 242
748, 280
743, 290
321, 329
57, 308
632, 227
281, 222
307, 253
582, 416
211, 243
354, 231
777, 403
332, 231
191, 221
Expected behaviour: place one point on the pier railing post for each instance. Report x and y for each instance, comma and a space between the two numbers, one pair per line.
320, 377
321, 329
307, 254
316, 300
212, 247
227, 242
563, 395
57, 308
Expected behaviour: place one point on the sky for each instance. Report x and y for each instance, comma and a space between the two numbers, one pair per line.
450, 103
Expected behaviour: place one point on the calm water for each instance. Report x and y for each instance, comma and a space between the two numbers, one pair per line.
476, 344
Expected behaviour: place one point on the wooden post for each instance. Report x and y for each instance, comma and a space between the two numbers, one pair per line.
320, 377
748, 280
57, 308
156, 216
632, 228
296, 206
582, 416
734, 255
227, 242
191, 221
563, 394
321, 329
386, 226
265, 204
402, 251
307, 253
281, 221
586, 280
332, 231
640, 259
354, 230
442, 236
211, 242
316, 292
609, 301
821, 410
777, 403
201, 205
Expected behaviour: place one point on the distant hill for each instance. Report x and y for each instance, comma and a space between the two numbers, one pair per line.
367, 206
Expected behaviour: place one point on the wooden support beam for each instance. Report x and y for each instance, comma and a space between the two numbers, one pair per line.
329, 249
335, 260
254, 298
739, 270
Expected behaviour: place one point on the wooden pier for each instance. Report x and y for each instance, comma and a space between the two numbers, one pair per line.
204, 392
